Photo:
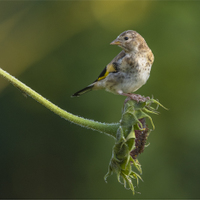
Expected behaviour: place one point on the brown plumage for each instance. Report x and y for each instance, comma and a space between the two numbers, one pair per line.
128, 71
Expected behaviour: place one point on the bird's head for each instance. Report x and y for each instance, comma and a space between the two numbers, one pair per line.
130, 41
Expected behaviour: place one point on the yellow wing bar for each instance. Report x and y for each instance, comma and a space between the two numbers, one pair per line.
108, 69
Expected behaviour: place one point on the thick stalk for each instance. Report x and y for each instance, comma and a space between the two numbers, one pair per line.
109, 129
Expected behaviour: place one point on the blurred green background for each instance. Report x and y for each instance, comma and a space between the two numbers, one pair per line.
59, 47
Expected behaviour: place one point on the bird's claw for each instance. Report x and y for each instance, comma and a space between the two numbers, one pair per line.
137, 97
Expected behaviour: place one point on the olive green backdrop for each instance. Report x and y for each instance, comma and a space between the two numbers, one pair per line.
57, 48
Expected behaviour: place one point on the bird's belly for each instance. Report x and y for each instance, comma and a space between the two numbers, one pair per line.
132, 85
136, 82
127, 82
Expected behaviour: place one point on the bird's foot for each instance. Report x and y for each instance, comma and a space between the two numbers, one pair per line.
136, 97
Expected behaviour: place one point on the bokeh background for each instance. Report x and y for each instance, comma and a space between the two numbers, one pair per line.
57, 48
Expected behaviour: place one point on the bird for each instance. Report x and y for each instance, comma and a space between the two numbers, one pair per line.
128, 71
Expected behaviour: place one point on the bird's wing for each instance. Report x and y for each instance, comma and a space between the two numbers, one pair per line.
112, 67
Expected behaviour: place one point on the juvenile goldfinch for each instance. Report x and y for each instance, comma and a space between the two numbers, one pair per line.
128, 71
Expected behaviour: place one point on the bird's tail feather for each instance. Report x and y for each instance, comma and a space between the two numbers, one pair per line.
83, 91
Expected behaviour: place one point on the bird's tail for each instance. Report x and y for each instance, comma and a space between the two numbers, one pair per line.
83, 91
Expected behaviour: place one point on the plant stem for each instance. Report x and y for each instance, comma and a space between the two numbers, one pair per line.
109, 129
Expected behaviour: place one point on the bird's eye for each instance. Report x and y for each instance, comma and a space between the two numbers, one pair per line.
126, 38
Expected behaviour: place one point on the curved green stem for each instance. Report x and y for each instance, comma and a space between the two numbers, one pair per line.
109, 129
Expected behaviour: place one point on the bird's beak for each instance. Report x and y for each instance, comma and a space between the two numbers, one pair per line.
115, 42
